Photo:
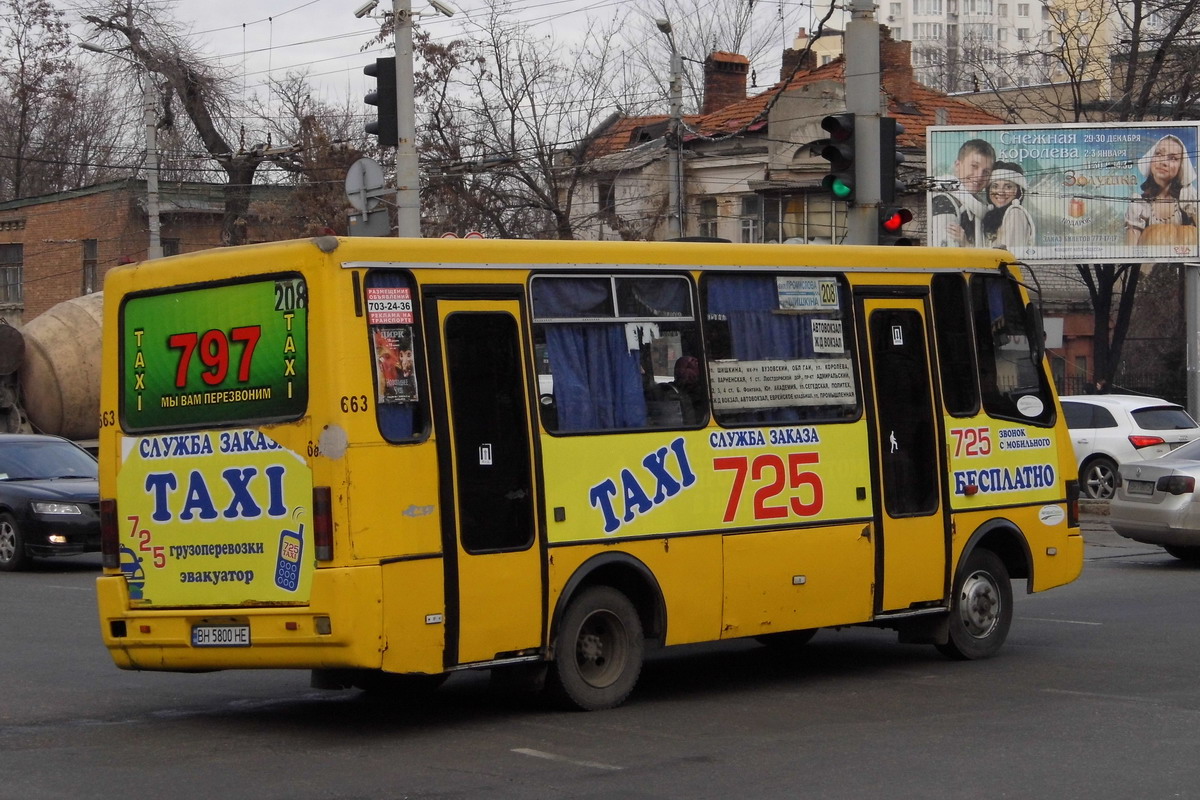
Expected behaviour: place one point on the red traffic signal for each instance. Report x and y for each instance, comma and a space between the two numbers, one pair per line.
892, 220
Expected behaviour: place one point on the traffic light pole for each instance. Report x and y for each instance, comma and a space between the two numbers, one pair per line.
408, 174
863, 100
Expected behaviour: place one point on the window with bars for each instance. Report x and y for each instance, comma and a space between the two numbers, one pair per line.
708, 217
751, 224
12, 265
90, 258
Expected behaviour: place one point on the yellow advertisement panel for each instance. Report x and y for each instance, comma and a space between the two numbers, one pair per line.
649, 484
999, 463
214, 518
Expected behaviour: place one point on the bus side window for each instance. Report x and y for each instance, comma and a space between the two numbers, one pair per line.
952, 326
613, 353
1012, 384
780, 348
396, 360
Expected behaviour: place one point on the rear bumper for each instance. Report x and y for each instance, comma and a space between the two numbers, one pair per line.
340, 627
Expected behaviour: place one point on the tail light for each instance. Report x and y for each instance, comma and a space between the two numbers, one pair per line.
110, 548
323, 523
1176, 484
1072, 504
1145, 441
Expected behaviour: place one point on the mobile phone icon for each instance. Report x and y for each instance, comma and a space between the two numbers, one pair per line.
287, 564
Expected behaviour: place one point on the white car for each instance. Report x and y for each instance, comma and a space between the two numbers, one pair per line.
1112, 429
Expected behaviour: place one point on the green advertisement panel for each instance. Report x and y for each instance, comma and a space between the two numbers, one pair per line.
230, 353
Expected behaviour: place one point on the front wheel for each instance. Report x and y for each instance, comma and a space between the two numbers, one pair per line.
598, 650
12, 545
1100, 478
981, 611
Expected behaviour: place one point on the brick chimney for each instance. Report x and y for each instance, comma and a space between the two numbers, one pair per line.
895, 67
793, 63
724, 80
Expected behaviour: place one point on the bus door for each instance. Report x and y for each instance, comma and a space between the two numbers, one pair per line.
913, 543
494, 578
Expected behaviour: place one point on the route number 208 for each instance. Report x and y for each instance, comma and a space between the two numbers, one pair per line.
773, 475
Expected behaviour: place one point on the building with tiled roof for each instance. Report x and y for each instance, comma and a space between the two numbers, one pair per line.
751, 164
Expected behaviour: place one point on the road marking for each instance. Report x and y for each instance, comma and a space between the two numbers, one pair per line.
525, 751
1119, 697
1063, 621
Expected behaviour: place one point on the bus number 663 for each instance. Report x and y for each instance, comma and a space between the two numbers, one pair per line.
775, 476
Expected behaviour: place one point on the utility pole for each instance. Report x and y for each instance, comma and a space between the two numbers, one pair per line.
150, 118
408, 173
1191, 313
864, 101
674, 138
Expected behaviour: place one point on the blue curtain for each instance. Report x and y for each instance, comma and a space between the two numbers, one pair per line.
597, 379
757, 331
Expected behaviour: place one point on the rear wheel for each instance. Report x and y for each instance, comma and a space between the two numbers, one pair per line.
12, 545
1100, 478
981, 611
598, 650
1183, 553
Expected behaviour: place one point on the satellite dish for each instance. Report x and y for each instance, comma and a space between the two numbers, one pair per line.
364, 182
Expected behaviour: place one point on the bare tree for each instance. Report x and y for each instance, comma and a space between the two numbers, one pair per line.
144, 30
327, 139
508, 123
59, 128
699, 27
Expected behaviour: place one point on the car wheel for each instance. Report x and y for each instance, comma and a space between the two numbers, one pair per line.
1100, 478
1183, 553
598, 650
981, 610
12, 545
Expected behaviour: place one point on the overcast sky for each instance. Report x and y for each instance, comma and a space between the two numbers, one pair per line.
257, 38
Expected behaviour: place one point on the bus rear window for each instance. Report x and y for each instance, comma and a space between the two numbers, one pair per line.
231, 353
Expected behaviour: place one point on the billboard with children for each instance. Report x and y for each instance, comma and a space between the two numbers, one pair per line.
1066, 193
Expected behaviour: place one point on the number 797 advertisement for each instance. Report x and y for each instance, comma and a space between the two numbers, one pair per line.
212, 510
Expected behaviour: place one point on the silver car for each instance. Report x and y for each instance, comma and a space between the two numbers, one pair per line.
1156, 502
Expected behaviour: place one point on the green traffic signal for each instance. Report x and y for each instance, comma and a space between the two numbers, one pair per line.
840, 186
840, 155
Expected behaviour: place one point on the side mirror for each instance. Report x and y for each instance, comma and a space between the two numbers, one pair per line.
1037, 333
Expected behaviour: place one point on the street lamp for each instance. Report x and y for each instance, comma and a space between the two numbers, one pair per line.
675, 137
408, 174
149, 116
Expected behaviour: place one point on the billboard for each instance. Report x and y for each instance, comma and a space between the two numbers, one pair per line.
1074, 194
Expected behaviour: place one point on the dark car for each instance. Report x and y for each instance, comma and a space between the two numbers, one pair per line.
49, 499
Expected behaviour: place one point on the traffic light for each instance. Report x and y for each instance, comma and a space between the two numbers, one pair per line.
384, 98
891, 223
840, 155
889, 157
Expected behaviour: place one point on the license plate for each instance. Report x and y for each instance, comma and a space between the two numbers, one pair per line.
221, 636
1141, 487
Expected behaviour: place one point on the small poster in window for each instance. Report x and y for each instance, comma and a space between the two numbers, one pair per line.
807, 294
387, 305
394, 364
